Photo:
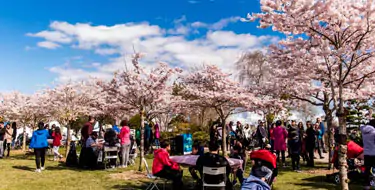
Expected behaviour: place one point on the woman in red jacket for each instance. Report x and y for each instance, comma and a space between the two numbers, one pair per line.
164, 167
56, 135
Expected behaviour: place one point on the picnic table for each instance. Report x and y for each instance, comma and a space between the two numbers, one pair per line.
191, 160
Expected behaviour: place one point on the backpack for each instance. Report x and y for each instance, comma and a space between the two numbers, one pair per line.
72, 158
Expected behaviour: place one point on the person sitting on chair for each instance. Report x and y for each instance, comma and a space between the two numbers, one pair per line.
197, 150
111, 140
214, 160
164, 167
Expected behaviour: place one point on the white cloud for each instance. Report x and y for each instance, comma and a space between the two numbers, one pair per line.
217, 25
229, 38
48, 45
183, 30
106, 51
218, 47
54, 36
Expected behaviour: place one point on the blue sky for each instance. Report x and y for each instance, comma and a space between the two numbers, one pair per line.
44, 42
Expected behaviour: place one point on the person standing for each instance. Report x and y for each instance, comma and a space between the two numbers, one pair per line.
2, 135
157, 135
247, 135
85, 134
302, 141
368, 135
319, 136
261, 135
147, 136
125, 143
14, 135
280, 135
310, 143
87, 129
272, 137
39, 143
56, 135
294, 145
8, 138
138, 137
322, 130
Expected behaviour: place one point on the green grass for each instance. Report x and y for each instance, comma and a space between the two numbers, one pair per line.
18, 173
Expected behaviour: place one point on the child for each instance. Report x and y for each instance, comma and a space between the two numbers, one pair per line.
237, 154
56, 135
260, 170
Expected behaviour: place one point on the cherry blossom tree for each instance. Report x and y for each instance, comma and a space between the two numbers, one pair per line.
256, 73
140, 90
26, 109
67, 102
330, 40
210, 87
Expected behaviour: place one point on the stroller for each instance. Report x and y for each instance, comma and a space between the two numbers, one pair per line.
355, 170
133, 153
262, 158
19, 141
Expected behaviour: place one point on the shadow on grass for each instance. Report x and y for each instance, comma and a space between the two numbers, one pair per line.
27, 156
322, 183
132, 186
25, 168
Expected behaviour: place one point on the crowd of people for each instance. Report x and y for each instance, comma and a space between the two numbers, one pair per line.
113, 137
282, 137
279, 138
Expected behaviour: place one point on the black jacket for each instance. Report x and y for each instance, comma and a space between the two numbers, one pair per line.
2, 134
213, 160
310, 138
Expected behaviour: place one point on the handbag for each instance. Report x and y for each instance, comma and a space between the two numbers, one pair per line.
100, 156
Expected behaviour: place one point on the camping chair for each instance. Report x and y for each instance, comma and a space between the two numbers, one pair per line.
110, 153
153, 184
214, 171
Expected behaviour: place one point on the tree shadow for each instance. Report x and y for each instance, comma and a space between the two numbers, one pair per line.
25, 168
27, 156
322, 182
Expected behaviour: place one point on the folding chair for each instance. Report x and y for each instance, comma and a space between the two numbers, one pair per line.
214, 171
153, 184
110, 153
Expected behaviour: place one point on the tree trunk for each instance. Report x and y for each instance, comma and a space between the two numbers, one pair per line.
224, 137
330, 143
24, 139
101, 128
142, 155
68, 139
343, 148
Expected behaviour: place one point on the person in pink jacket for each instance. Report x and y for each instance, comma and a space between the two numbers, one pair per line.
280, 134
124, 137
157, 135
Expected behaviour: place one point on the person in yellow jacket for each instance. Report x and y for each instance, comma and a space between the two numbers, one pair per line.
8, 138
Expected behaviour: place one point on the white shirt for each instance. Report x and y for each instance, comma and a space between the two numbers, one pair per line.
220, 131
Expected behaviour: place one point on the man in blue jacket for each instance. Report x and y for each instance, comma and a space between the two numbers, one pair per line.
322, 129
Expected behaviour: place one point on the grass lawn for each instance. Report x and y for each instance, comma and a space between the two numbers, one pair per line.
18, 173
